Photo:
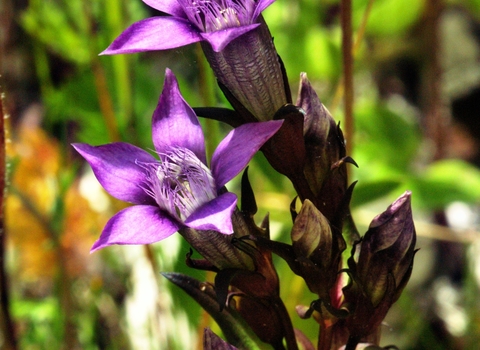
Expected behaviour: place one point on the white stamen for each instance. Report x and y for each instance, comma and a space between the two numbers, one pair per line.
180, 183
215, 15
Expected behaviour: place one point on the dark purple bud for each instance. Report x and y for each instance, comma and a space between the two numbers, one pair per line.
383, 269
319, 127
325, 161
388, 248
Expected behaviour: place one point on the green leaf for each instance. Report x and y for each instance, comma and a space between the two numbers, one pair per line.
237, 332
62, 29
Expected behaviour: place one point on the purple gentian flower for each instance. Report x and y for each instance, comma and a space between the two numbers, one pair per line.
178, 189
216, 21
235, 39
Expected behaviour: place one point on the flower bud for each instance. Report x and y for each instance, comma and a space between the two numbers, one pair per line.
384, 267
311, 234
325, 168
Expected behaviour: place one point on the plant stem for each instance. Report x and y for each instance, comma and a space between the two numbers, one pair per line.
7, 328
436, 122
356, 46
346, 23
288, 331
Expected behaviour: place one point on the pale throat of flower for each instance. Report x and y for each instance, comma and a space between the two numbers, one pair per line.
180, 183
214, 15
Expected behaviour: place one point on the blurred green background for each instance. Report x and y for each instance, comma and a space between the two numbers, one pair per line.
417, 110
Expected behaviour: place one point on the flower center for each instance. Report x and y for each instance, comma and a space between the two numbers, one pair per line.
180, 183
213, 15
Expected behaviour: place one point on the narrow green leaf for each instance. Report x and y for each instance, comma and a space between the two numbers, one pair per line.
237, 332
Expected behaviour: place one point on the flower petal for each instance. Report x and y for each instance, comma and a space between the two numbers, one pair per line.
115, 166
219, 39
215, 215
140, 224
261, 5
172, 7
174, 122
238, 148
154, 33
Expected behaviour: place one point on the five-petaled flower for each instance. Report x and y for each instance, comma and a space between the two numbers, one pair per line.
216, 21
178, 189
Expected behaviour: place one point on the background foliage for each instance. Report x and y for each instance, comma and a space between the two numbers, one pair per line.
58, 90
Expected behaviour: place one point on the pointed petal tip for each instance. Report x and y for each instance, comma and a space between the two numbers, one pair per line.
79, 147
237, 149
96, 246
174, 123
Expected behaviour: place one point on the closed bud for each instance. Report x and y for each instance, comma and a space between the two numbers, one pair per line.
311, 233
325, 160
317, 251
388, 248
317, 126
384, 266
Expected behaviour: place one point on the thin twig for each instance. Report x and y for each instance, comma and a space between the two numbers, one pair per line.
436, 122
346, 23
356, 47
7, 328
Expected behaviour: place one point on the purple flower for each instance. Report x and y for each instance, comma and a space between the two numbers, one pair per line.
216, 21
179, 189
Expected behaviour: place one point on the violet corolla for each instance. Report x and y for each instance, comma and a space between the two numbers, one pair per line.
216, 21
179, 189
235, 39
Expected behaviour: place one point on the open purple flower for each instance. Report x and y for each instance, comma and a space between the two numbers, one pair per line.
235, 39
216, 21
178, 189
